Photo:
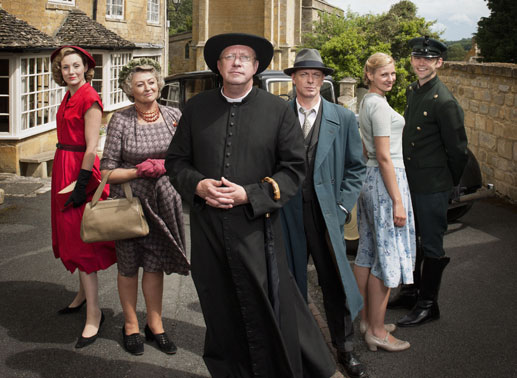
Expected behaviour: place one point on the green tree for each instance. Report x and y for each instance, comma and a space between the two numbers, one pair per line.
346, 42
496, 33
180, 19
456, 52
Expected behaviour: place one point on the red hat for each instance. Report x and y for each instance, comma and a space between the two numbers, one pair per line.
89, 58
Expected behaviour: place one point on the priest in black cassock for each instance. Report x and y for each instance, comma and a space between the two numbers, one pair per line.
237, 157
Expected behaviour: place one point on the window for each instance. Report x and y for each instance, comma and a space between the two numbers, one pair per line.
153, 11
118, 60
65, 2
171, 95
115, 9
40, 96
187, 51
4, 95
97, 77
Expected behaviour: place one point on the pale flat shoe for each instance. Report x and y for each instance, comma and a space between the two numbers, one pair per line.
374, 343
363, 327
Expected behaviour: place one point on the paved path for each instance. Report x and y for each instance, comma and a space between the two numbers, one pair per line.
475, 337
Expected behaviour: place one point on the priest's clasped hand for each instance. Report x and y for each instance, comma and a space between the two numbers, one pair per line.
222, 194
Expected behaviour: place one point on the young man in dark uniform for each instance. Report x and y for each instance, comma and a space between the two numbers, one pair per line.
435, 154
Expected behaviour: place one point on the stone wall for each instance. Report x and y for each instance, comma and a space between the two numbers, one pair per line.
178, 60
12, 150
488, 94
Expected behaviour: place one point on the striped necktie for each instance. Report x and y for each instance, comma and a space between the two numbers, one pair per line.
306, 128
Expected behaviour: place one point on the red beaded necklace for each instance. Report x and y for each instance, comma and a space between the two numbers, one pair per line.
151, 115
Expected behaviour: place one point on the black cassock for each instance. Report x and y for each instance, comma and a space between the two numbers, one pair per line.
245, 142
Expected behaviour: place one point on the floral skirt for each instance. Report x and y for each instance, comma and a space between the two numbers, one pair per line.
387, 250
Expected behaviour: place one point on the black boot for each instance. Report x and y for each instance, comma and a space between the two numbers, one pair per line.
353, 367
427, 308
408, 294
405, 298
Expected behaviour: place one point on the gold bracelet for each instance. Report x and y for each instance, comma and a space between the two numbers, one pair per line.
276, 188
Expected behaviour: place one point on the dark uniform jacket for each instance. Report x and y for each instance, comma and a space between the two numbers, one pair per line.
245, 142
434, 139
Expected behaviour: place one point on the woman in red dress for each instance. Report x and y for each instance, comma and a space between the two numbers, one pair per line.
78, 123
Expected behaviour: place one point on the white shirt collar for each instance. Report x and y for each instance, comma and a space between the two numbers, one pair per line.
239, 99
316, 106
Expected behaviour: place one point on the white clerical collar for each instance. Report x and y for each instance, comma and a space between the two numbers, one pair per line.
316, 107
239, 99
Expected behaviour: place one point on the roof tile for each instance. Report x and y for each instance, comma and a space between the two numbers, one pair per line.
16, 34
79, 29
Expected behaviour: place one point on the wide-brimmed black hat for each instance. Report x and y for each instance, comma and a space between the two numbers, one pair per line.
216, 44
89, 58
308, 59
427, 47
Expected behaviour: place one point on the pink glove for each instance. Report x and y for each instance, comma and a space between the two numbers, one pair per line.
159, 167
151, 168
145, 168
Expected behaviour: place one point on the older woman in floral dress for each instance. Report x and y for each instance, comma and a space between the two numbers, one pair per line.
136, 144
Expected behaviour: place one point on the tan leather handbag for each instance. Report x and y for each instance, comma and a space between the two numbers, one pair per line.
113, 219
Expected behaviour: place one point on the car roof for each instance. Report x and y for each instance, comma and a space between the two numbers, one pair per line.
207, 73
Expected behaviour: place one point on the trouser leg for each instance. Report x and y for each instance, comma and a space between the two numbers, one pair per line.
431, 215
334, 298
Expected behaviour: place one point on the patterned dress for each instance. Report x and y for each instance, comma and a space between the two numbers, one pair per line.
388, 250
128, 144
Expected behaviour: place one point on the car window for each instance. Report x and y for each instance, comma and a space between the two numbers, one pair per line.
327, 91
285, 89
171, 95
197, 85
281, 87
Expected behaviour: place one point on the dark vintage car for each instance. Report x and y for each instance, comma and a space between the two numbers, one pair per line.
179, 88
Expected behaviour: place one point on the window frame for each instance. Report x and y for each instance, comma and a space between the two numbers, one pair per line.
150, 12
104, 76
110, 7
70, 3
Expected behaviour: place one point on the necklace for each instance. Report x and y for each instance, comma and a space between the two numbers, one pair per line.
150, 116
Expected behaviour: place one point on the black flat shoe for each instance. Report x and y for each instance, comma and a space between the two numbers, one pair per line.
163, 341
85, 341
133, 343
71, 310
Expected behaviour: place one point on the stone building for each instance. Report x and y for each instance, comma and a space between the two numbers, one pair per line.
114, 31
283, 22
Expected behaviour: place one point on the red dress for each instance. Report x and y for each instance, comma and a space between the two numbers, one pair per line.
66, 225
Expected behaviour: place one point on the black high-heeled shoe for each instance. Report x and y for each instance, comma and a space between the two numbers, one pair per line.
71, 310
133, 343
85, 341
164, 343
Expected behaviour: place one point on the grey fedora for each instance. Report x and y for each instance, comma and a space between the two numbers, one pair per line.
308, 59
216, 44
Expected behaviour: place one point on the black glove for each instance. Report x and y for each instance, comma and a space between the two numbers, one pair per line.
78, 196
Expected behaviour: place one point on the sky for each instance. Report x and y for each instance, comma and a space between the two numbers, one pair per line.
457, 18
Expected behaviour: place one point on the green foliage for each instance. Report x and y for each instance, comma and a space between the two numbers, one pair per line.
496, 33
346, 42
456, 52
465, 43
181, 19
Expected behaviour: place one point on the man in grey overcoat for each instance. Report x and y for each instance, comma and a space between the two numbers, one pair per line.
314, 219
